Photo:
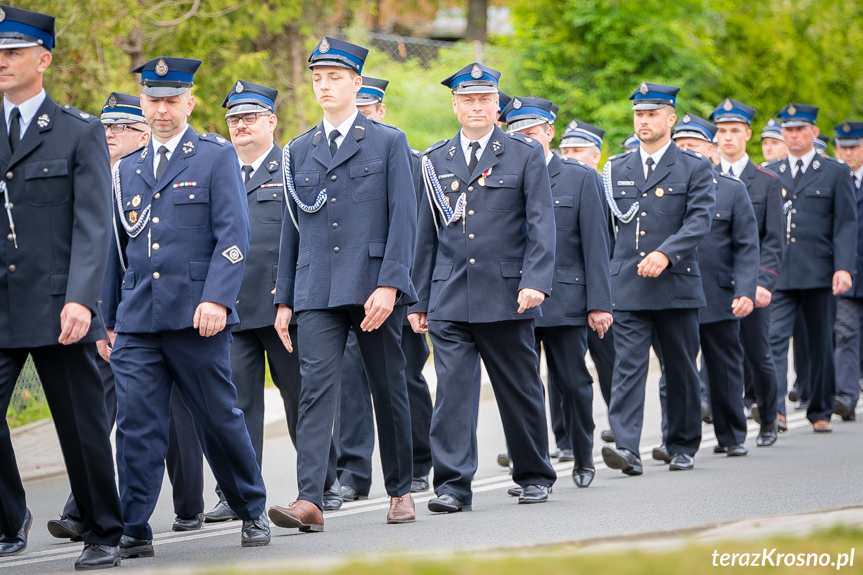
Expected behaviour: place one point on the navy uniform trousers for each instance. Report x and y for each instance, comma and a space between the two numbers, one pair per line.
355, 428
818, 308
69, 377
507, 350
184, 462
146, 367
849, 320
324, 334
759, 368
722, 359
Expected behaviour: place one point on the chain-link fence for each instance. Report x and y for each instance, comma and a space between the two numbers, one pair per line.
28, 399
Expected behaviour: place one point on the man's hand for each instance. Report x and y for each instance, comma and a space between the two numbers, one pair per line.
599, 321
841, 282
104, 349
528, 298
210, 318
419, 322
283, 319
652, 265
378, 308
742, 306
74, 323
763, 297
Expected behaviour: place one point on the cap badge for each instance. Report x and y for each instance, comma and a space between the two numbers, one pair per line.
792, 110
112, 102
475, 72
239, 87
686, 119
136, 201
161, 67
643, 89
573, 125
846, 127
771, 122
2, 15
516, 103
325, 46
727, 105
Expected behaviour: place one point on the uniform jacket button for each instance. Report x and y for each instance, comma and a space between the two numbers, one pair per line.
9, 175
156, 246
470, 237
336, 249
334, 177
642, 233
556, 202
334, 200
643, 214
12, 268
335, 225
45, 170
155, 219
470, 188
157, 195
366, 170
470, 213
472, 261
9, 237
191, 196
156, 275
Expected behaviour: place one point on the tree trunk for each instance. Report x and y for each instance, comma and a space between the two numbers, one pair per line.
476, 20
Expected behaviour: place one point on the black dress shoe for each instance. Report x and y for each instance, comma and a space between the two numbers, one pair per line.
504, 460
66, 528
533, 494
420, 484
256, 533
793, 394
566, 455
607, 436
850, 417
767, 436
681, 462
706, 416
738, 450
718, 449
583, 476
661, 454
516, 490
188, 524
18, 542
350, 494
842, 406
221, 512
333, 497
622, 459
131, 547
98, 557
447, 503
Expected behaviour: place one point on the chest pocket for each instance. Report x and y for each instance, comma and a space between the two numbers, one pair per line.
625, 197
368, 180
819, 201
502, 193
564, 214
45, 186
673, 199
268, 205
191, 208
306, 184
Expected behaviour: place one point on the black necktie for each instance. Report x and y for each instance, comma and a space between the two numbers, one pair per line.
163, 162
333, 146
474, 146
247, 173
799, 173
14, 128
649, 163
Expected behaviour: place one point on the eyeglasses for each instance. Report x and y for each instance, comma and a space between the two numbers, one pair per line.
120, 128
248, 119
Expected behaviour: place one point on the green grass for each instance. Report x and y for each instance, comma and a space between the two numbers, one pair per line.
566, 560
33, 411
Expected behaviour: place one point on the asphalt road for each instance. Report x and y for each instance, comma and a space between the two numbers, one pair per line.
802, 472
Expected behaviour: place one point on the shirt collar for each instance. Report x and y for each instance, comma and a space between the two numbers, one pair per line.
483, 142
27, 108
807, 159
549, 157
343, 128
657, 155
738, 166
170, 144
859, 174
258, 161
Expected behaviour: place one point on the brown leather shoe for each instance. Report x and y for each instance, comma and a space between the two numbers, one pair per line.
781, 422
402, 510
822, 426
301, 514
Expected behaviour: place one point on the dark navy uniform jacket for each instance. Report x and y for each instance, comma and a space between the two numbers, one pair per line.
363, 236
729, 254
264, 193
193, 248
765, 192
822, 235
473, 273
857, 288
581, 282
59, 183
673, 218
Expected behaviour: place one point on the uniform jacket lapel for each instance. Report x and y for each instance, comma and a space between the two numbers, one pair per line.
350, 145
262, 174
455, 159
663, 167
785, 175
811, 173
5, 150
187, 147
321, 153
41, 122
489, 155
554, 167
145, 165
633, 171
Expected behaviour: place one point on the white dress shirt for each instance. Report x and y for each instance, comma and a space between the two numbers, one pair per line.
657, 155
737, 166
343, 128
465, 145
859, 175
28, 111
257, 163
170, 144
807, 159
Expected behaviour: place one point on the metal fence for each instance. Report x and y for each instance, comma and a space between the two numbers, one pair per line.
28, 396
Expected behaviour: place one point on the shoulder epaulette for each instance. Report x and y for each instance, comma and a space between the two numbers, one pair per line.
618, 156
213, 138
763, 171
384, 124
519, 137
574, 162
76, 113
416, 152
133, 152
435, 146
694, 154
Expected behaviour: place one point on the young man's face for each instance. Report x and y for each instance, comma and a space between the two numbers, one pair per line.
476, 111
167, 117
732, 138
335, 87
653, 125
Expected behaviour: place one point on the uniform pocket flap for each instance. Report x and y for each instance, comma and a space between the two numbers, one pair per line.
726, 281
191, 196
303, 259
686, 268
129, 279
270, 195
570, 276
819, 193
502, 181
564, 201
510, 268
614, 267
306, 179
672, 188
58, 283
376, 249
365, 169
441, 272
46, 169
198, 270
